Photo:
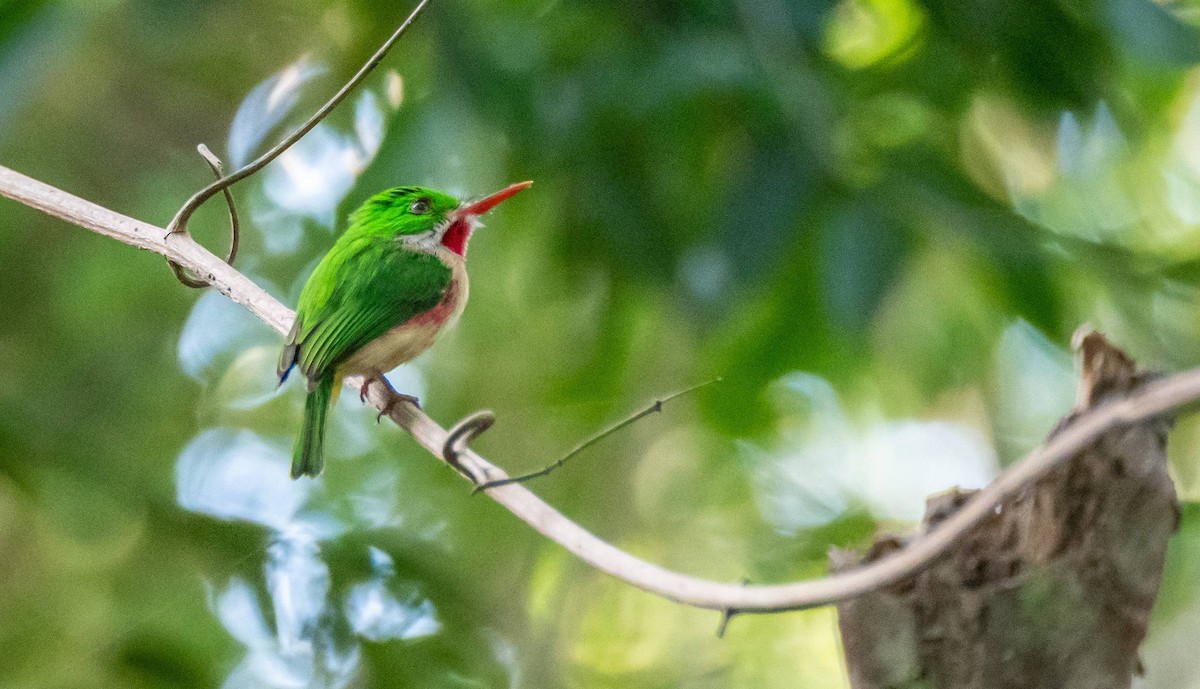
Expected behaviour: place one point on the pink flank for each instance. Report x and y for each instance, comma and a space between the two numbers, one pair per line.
440, 313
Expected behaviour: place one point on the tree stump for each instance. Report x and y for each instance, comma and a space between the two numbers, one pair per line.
1054, 590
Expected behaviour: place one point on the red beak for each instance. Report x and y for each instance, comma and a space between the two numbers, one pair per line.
486, 204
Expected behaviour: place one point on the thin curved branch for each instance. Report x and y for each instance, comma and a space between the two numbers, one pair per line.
1153, 400
214, 163
655, 406
463, 432
179, 222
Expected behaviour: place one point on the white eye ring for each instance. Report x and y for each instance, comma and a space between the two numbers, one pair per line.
419, 207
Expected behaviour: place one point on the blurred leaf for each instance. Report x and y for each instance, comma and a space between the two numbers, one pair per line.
1177, 593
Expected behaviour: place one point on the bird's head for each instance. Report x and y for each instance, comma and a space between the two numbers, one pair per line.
426, 218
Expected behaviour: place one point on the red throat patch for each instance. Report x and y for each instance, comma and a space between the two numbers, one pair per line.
456, 236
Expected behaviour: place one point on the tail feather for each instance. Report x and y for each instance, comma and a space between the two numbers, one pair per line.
308, 457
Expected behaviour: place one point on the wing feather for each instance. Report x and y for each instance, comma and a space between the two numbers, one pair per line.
356, 296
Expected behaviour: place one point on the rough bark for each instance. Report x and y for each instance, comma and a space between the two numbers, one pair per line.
1053, 590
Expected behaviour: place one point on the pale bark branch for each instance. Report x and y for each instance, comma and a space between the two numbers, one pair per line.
1147, 402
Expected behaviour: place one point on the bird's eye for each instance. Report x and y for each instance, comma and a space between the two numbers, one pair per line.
419, 207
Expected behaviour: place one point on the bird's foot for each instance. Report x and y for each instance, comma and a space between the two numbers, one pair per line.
393, 399
400, 397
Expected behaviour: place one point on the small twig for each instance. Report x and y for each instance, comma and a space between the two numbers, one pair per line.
656, 406
218, 169
234, 226
727, 615
463, 432
179, 222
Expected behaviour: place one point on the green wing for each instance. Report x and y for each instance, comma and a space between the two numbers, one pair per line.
360, 290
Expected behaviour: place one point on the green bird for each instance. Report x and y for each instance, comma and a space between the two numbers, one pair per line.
394, 280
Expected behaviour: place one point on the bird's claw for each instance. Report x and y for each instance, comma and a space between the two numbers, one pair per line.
391, 399
387, 408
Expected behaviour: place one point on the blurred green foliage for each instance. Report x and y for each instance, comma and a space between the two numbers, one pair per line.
915, 202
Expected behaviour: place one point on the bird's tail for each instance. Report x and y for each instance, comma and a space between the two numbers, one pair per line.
308, 457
